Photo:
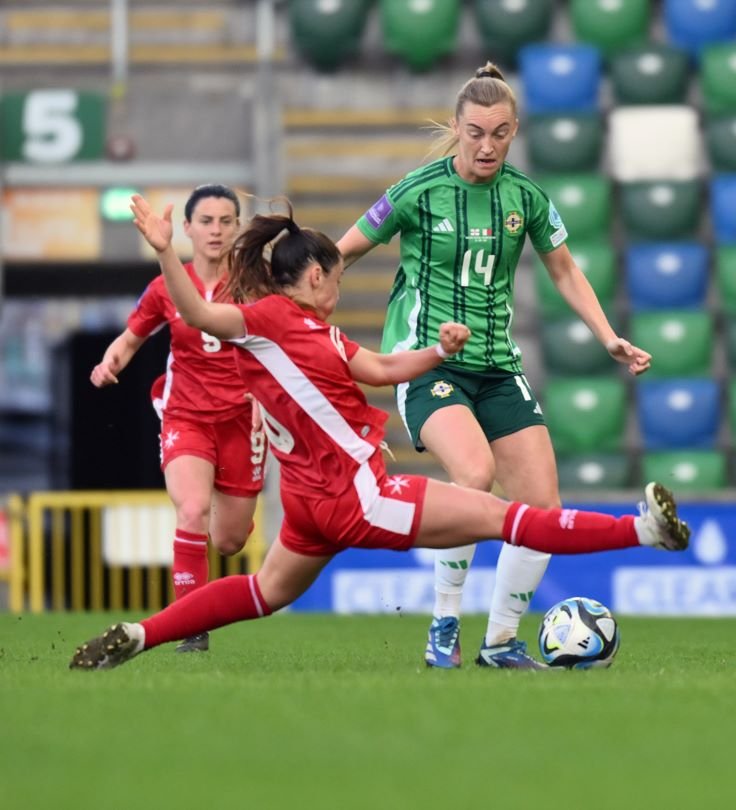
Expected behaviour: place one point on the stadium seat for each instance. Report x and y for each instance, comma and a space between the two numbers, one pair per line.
569, 348
597, 260
723, 207
682, 413
661, 210
693, 24
681, 342
730, 336
565, 143
732, 407
594, 471
560, 78
585, 414
666, 275
506, 26
651, 74
718, 78
720, 139
686, 470
725, 272
420, 31
610, 26
583, 201
327, 34
654, 142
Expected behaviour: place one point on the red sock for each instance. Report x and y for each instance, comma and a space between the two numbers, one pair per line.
191, 567
220, 602
567, 531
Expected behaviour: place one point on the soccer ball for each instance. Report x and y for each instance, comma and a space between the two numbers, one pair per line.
578, 633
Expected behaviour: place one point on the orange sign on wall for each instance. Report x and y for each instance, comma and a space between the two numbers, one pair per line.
51, 224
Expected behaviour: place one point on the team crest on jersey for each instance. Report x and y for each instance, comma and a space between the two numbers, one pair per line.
441, 389
513, 223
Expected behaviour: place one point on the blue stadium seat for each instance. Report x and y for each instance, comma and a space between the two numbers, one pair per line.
681, 413
559, 78
694, 24
664, 275
723, 207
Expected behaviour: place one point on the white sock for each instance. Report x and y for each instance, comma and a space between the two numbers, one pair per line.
451, 566
519, 571
137, 633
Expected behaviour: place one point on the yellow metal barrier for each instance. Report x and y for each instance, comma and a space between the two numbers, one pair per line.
102, 550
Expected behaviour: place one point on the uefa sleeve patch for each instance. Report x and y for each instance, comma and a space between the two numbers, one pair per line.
558, 237
379, 211
555, 220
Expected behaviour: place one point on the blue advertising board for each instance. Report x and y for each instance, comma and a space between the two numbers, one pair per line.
698, 582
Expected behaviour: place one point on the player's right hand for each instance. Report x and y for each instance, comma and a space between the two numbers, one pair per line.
102, 375
156, 230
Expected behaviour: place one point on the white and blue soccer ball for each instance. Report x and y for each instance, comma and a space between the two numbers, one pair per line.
579, 633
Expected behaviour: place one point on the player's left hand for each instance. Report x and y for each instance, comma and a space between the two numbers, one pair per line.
632, 356
156, 230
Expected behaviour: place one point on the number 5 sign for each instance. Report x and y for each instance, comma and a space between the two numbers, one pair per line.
52, 126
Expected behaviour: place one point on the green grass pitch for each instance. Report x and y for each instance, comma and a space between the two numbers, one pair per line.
319, 711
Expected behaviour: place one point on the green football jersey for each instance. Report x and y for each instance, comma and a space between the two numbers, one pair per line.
460, 246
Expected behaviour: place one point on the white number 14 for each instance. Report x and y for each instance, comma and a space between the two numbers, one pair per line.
484, 268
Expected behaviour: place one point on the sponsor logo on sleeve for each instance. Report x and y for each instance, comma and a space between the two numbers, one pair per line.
379, 211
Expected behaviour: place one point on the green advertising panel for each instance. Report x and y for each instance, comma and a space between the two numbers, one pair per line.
52, 126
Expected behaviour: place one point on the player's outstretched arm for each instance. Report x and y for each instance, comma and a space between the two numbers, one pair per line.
220, 320
575, 288
373, 368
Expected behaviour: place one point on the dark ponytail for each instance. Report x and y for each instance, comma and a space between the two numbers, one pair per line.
271, 254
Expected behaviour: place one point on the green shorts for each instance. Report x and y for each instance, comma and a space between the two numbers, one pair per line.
501, 401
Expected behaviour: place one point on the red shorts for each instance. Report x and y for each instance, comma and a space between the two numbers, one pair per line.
378, 511
235, 450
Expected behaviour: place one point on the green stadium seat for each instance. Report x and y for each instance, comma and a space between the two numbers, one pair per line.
686, 470
565, 143
505, 26
660, 210
720, 140
681, 342
570, 348
585, 414
584, 202
718, 78
610, 26
595, 471
597, 260
420, 33
725, 272
327, 34
650, 74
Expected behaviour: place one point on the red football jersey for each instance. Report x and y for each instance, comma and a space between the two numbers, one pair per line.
201, 380
318, 422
